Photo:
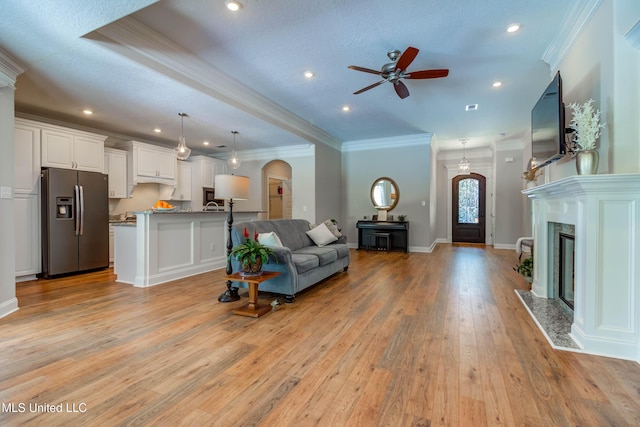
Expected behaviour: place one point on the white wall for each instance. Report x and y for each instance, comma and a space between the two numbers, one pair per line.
408, 163
508, 196
302, 162
328, 184
8, 301
604, 66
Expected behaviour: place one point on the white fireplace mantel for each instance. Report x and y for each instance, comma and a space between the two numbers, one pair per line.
605, 210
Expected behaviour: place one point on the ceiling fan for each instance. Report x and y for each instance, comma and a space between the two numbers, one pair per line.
397, 69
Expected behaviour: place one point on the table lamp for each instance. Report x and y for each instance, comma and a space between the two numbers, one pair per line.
230, 187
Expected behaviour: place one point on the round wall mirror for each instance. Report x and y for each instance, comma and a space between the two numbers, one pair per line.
385, 193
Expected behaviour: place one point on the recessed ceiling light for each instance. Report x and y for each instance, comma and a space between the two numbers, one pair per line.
233, 5
308, 74
87, 112
497, 84
346, 108
157, 130
471, 107
513, 28
205, 143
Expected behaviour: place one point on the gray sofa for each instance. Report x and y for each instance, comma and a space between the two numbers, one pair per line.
300, 262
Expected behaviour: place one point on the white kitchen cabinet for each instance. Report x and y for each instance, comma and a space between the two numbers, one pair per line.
148, 163
70, 149
115, 165
26, 157
219, 167
206, 171
26, 192
27, 235
183, 188
111, 244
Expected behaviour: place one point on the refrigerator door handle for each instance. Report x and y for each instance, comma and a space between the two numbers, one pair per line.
81, 210
76, 194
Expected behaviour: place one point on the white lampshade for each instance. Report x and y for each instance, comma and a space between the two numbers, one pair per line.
234, 187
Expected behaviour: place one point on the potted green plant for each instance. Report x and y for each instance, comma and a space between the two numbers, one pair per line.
251, 254
525, 268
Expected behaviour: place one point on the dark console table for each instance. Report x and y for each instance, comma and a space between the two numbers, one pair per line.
398, 230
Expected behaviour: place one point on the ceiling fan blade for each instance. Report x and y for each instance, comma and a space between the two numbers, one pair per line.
426, 74
364, 89
406, 58
365, 70
401, 89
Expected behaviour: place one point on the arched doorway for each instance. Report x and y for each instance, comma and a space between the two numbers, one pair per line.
468, 208
277, 192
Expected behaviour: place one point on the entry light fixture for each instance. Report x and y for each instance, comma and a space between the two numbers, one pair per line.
234, 162
464, 167
182, 151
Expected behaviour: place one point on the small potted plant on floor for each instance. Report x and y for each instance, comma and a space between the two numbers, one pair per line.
251, 254
525, 268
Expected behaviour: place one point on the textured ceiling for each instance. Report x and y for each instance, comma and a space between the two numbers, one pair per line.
138, 63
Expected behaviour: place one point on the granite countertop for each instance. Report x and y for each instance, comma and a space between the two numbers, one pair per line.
164, 212
123, 223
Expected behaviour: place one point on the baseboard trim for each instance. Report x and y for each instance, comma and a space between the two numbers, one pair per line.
8, 307
504, 246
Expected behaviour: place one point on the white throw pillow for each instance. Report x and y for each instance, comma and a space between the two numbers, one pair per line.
332, 228
270, 239
321, 235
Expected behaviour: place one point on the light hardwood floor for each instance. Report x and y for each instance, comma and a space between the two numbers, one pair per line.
399, 340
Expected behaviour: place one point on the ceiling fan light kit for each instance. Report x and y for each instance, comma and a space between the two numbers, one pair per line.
396, 70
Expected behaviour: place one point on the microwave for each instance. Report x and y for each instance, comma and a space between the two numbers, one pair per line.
209, 195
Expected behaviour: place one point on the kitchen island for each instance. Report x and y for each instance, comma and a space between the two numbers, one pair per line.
163, 246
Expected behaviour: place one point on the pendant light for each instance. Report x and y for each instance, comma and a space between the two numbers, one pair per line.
464, 167
182, 151
234, 162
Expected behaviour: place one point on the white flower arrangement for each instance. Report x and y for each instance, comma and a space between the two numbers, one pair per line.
586, 125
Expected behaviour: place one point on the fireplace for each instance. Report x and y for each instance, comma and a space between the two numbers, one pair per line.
563, 261
587, 250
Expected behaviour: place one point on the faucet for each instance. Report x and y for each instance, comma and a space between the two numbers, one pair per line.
206, 208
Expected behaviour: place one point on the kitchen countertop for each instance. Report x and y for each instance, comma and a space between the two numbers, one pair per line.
152, 211
123, 223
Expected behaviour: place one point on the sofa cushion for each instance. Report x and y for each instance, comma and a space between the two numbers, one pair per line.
321, 235
326, 255
305, 262
333, 228
341, 248
270, 239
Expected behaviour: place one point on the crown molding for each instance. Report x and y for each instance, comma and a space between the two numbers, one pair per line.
392, 142
10, 69
134, 40
633, 36
470, 154
570, 28
513, 144
287, 152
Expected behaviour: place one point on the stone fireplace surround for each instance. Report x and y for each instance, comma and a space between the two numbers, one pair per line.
605, 210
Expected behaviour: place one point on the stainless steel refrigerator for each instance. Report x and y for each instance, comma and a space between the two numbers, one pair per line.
75, 221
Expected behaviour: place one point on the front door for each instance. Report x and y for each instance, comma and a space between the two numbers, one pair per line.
468, 208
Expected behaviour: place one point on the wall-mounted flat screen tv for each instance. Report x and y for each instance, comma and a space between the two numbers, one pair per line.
547, 125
